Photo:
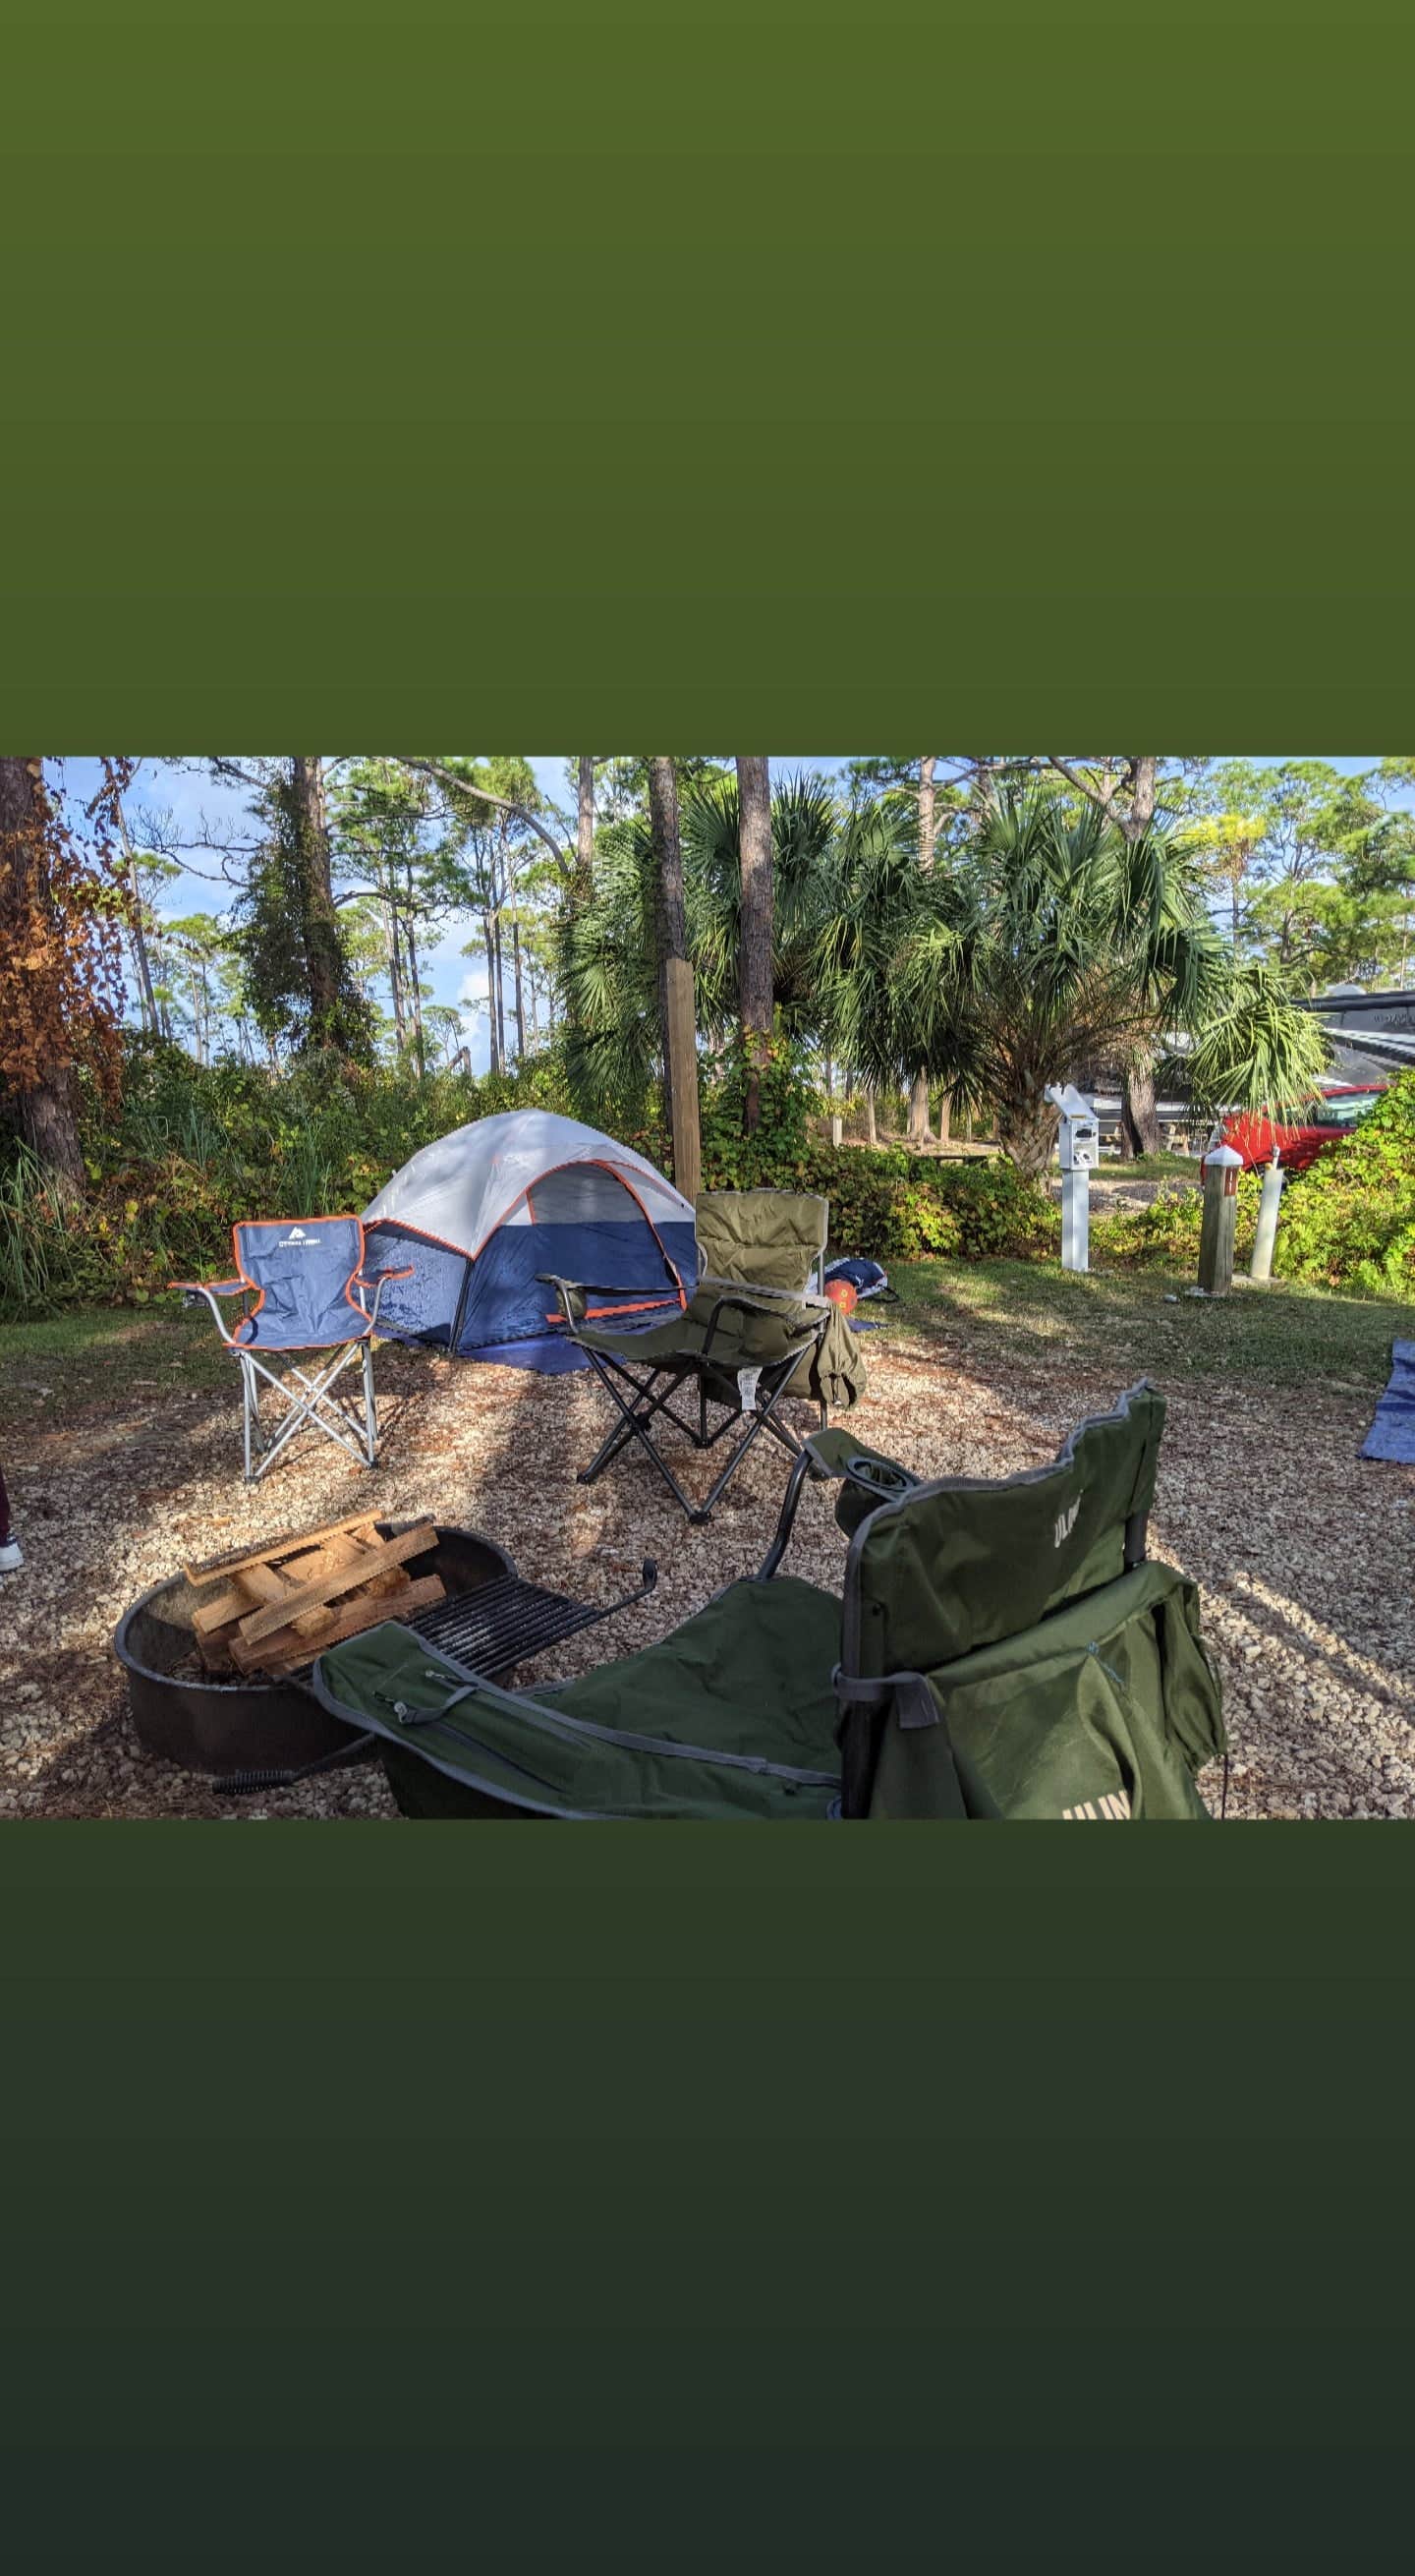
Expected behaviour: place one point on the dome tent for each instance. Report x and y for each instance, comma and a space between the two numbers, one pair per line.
482, 1212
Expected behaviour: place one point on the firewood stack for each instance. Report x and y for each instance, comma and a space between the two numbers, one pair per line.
274, 1610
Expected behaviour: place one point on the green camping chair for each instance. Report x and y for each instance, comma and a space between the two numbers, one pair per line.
757, 1332
1001, 1650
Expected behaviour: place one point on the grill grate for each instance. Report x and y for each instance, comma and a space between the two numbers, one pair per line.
508, 1621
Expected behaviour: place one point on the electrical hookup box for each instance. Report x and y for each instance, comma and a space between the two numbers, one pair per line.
1080, 1131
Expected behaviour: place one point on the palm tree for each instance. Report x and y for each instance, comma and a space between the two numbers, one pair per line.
609, 943
1051, 942
804, 823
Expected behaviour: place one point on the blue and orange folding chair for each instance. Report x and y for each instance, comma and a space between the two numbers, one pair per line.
305, 1289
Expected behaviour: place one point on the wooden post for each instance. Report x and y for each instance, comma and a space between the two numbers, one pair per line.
683, 1078
1221, 1171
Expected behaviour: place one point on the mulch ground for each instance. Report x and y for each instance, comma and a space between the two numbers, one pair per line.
1303, 1555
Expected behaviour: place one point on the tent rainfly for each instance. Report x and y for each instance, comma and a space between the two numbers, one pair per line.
482, 1212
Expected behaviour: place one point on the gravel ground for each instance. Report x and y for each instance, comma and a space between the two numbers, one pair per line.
1303, 1556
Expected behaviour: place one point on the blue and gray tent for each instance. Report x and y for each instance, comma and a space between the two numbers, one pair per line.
481, 1216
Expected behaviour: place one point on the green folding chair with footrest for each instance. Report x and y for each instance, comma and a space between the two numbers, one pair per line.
756, 1334
1001, 1650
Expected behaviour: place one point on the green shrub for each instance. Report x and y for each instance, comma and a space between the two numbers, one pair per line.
779, 1141
1165, 1235
897, 1206
194, 1149
1350, 1221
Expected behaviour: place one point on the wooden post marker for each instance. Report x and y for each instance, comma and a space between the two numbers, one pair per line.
683, 1079
1221, 1170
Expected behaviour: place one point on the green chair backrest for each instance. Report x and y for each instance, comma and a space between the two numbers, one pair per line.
960, 1564
763, 1238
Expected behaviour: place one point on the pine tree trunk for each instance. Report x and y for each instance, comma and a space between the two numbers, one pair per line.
45, 1110
755, 959
920, 1132
395, 976
519, 993
500, 989
1139, 1118
321, 922
494, 1049
584, 829
670, 908
146, 1002
1139, 1113
927, 826
416, 1000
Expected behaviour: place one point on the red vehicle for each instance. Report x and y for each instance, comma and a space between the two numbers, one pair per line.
1253, 1135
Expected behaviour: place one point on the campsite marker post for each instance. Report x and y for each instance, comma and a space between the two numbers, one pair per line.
1080, 1147
683, 1078
1221, 1169
1261, 1265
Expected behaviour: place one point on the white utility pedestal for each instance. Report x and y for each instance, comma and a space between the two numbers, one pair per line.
1261, 1265
1080, 1143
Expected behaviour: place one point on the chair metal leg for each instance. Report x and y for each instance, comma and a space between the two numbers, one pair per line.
311, 1402
370, 1408
631, 1426
247, 1407
255, 1439
650, 1399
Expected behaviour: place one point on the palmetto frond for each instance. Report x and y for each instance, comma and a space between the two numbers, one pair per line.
1253, 1049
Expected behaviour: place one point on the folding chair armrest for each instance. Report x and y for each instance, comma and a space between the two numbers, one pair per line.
572, 1293
377, 1280
829, 1456
192, 1291
838, 1454
803, 1465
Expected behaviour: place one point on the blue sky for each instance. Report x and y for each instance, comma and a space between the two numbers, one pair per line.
188, 795
455, 979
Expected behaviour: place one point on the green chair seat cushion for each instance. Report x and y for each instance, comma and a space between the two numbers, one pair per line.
750, 1673
744, 1688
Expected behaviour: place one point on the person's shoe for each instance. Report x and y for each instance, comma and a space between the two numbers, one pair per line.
12, 1556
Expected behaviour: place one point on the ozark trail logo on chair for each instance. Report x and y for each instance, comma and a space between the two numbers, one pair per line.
1066, 1522
296, 1234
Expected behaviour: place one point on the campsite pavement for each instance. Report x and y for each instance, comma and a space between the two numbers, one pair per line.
123, 1458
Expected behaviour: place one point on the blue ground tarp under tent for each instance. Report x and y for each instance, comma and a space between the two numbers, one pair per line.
1392, 1434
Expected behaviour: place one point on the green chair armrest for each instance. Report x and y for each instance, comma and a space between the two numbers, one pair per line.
868, 1478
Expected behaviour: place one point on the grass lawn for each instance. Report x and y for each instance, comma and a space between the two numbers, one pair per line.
1286, 1334
122, 1347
